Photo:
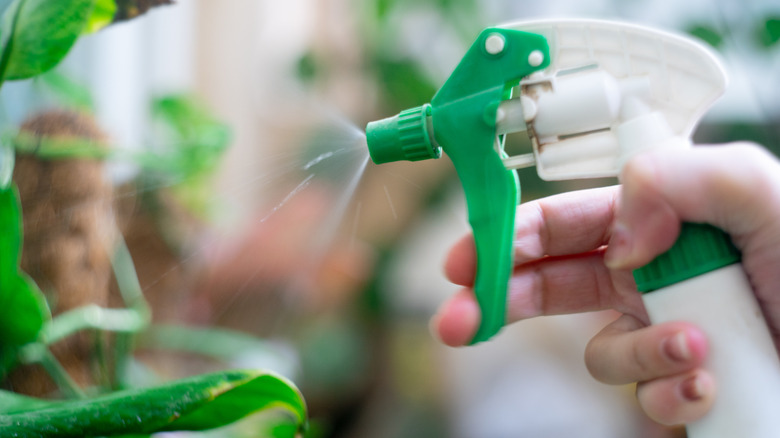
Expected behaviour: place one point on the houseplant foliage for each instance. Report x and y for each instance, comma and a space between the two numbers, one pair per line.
194, 404
35, 35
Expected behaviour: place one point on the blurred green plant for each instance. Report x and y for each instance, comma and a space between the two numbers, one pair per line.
769, 33
35, 35
193, 142
399, 75
190, 145
66, 90
194, 404
706, 33
23, 309
103, 13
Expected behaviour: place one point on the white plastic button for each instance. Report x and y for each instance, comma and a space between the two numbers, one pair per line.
494, 44
535, 58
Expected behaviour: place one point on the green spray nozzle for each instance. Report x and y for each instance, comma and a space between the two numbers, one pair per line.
461, 120
406, 136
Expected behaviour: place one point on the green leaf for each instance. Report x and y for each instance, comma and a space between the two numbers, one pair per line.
12, 403
307, 68
260, 392
50, 148
215, 342
196, 404
37, 34
769, 33
7, 27
23, 309
707, 34
192, 142
102, 15
383, 8
403, 82
68, 91
195, 138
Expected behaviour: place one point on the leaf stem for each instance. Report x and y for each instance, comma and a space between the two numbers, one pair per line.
100, 365
133, 296
123, 344
127, 279
40, 353
64, 381
93, 317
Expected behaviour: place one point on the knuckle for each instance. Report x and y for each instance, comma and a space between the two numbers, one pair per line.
755, 170
642, 363
594, 359
613, 356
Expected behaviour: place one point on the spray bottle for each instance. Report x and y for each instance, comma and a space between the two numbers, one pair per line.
591, 95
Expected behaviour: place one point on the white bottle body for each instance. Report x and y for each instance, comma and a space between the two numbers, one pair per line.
742, 358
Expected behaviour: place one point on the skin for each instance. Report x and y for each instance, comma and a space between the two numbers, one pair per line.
574, 253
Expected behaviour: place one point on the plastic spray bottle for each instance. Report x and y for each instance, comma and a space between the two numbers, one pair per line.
591, 95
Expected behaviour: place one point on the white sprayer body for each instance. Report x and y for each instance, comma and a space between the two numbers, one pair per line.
742, 355
615, 89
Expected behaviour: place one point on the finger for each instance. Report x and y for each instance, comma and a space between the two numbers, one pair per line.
570, 284
716, 185
629, 351
457, 320
679, 399
460, 265
551, 286
565, 224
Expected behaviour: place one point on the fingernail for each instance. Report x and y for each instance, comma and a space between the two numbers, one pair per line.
676, 347
620, 247
693, 388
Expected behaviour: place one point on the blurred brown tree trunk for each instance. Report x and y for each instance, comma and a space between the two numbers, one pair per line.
69, 233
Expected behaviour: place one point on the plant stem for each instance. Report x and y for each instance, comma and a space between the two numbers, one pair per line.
100, 364
93, 317
122, 353
60, 376
49, 148
133, 296
40, 353
127, 279
126, 322
217, 343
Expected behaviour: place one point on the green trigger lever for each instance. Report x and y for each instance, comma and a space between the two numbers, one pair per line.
461, 121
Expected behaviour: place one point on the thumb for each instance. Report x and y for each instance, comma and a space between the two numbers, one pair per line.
735, 187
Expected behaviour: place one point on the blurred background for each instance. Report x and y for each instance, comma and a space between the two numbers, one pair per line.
288, 234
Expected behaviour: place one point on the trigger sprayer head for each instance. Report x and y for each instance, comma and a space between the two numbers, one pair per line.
406, 136
462, 118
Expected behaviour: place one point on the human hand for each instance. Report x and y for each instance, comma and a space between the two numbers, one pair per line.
574, 253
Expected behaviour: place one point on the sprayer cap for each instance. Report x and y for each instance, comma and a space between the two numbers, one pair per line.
402, 137
701, 248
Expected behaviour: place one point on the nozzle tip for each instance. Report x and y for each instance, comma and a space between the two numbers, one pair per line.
405, 136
